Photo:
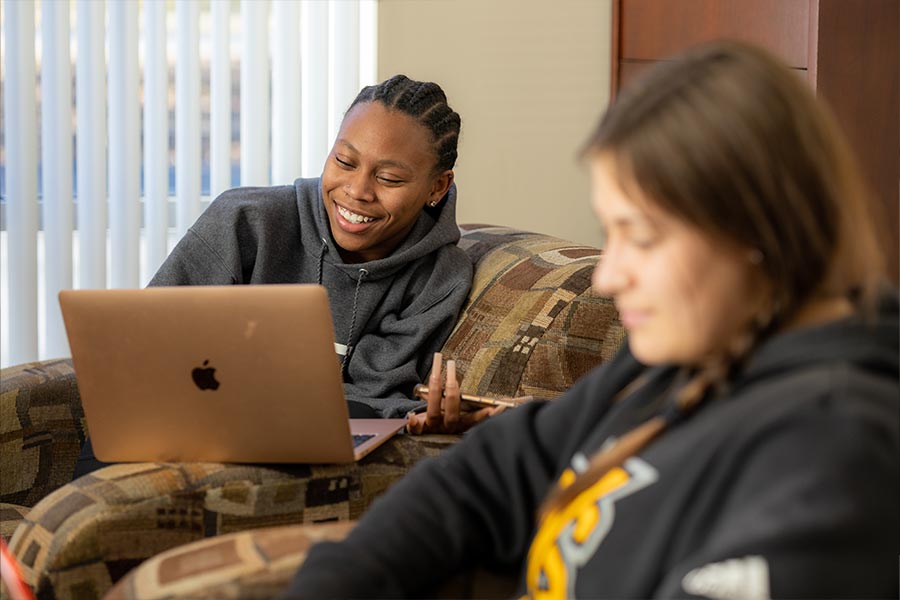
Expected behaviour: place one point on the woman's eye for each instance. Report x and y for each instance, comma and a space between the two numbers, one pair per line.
390, 180
343, 163
644, 242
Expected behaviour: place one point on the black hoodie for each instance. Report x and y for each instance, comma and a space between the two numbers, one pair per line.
786, 486
392, 313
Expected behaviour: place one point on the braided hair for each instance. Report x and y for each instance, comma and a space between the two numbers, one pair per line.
425, 102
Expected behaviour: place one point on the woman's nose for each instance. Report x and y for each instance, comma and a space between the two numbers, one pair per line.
359, 187
609, 275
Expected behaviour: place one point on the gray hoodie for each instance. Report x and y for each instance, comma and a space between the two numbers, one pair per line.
390, 315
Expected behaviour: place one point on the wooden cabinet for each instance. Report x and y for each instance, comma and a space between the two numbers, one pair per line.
848, 50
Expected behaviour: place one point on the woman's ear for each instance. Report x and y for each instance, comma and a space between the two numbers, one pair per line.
439, 187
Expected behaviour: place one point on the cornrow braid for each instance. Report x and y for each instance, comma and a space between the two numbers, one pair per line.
425, 102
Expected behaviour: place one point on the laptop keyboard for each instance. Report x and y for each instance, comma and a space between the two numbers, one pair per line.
360, 438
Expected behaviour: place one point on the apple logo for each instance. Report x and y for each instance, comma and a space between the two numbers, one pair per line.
205, 378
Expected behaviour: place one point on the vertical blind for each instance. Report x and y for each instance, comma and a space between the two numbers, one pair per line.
300, 63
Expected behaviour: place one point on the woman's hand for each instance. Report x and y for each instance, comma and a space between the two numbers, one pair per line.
444, 412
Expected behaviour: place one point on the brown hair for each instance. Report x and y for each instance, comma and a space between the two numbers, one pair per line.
730, 140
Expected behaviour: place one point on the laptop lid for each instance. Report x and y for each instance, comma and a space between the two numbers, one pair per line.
243, 373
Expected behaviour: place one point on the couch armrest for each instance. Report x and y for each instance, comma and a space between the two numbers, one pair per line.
531, 326
249, 564
91, 532
261, 564
41, 428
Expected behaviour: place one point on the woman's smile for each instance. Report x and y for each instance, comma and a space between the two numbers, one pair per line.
377, 180
353, 222
632, 319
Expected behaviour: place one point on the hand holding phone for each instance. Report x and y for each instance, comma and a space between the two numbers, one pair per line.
440, 413
421, 391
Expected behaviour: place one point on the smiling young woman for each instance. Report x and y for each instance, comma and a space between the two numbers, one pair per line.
378, 229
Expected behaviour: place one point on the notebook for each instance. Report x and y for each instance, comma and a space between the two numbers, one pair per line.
241, 373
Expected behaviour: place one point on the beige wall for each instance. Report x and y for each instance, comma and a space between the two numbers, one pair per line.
529, 79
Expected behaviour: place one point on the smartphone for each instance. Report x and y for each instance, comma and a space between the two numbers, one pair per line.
421, 391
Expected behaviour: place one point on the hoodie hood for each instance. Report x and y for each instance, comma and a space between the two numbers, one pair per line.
389, 314
869, 342
434, 229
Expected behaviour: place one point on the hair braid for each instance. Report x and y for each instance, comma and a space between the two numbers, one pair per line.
601, 462
425, 102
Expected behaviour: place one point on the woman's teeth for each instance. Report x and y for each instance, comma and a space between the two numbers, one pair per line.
352, 216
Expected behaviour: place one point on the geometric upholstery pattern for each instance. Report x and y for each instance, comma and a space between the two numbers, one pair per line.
41, 429
88, 534
246, 565
259, 564
10, 517
41, 433
531, 326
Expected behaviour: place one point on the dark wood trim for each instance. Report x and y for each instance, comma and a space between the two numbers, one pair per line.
859, 77
812, 59
615, 50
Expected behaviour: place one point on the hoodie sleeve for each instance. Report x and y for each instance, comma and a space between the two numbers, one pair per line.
193, 261
474, 504
247, 235
209, 250
395, 354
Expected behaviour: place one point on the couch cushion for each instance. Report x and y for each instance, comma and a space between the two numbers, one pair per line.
85, 536
41, 428
532, 325
10, 517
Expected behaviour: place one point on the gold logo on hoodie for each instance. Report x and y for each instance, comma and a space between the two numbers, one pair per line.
570, 536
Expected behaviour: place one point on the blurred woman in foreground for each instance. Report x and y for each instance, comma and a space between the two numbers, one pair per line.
744, 443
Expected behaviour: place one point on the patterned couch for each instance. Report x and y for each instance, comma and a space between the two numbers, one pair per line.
531, 326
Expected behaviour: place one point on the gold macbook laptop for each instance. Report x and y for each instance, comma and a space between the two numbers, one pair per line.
242, 373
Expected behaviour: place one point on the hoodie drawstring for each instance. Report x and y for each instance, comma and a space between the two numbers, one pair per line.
321, 260
361, 275
350, 341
